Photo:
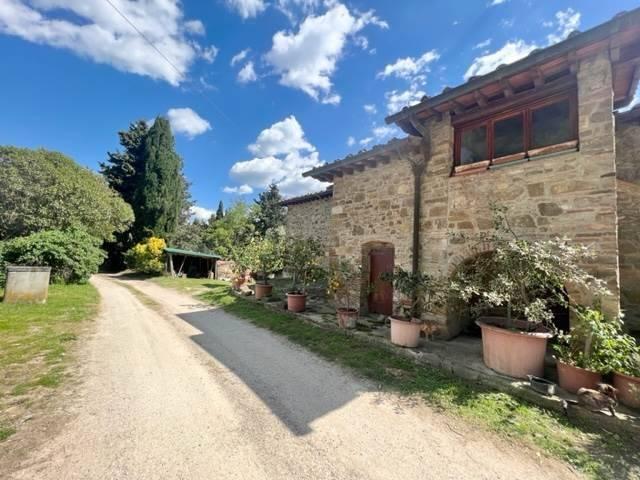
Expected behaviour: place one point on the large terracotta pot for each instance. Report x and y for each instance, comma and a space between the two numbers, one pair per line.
347, 317
296, 302
405, 333
263, 290
628, 389
573, 378
515, 353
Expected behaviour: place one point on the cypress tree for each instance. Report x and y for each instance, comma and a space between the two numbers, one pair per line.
123, 170
220, 211
161, 199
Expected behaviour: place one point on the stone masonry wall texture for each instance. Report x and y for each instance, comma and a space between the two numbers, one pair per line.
628, 174
309, 219
566, 194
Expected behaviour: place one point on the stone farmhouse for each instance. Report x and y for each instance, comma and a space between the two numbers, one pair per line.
543, 136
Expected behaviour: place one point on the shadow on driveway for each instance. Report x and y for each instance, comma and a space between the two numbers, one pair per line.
297, 386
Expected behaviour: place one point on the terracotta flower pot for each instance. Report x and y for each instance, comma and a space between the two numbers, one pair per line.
405, 333
628, 389
263, 290
296, 302
347, 317
572, 378
513, 352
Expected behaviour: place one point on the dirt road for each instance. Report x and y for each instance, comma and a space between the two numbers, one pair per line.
190, 392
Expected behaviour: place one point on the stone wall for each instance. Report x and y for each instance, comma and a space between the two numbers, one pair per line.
628, 174
571, 193
309, 219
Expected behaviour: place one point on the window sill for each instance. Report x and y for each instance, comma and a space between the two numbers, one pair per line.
514, 159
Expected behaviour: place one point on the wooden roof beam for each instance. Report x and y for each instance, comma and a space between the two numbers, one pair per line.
481, 99
538, 77
507, 89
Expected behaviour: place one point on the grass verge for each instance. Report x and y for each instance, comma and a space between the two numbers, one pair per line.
597, 453
35, 341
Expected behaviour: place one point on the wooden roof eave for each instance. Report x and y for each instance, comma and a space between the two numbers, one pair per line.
565, 54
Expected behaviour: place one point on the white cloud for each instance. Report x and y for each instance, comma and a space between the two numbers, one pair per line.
306, 59
241, 190
195, 27
384, 132
366, 141
634, 102
566, 22
187, 122
247, 8
209, 53
291, 8
483, 44
496, 2
397, 100
282, 155
507, 22
240, 56
200, 213
282, 137
409, 68
371, 109
511, 51
96, 31
247, 74
351, 141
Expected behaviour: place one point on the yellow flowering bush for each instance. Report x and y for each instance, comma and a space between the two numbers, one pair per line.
146, 257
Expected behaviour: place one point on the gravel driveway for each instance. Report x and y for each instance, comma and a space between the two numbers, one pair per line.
185, 391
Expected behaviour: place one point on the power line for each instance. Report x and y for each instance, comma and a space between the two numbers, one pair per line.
152, 45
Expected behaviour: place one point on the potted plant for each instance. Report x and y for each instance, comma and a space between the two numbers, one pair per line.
264, 257
522, 280
420, 293
240, 267
302, 262
622, 357
345, 278
579, 353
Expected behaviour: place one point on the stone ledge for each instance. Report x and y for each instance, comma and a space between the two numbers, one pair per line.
627, 422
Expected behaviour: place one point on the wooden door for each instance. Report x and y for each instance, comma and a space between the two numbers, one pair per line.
381, 298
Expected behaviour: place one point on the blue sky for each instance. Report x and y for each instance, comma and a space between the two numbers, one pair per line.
257, 90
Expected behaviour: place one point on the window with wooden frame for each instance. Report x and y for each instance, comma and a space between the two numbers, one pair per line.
517, 132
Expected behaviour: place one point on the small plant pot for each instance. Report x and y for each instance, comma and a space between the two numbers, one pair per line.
513, 352
263, 290
405, 333
347, 317
573, 378
296, 302
628, 389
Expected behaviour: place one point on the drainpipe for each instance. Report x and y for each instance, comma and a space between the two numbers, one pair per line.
418, 170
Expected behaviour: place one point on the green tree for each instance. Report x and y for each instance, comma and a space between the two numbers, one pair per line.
269, 214
220, 211
163, 196
233, 231
73, 255
190, 236
45, 190
123, 169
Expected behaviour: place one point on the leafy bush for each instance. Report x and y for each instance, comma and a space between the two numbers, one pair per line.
44, 190
264, 256
302, 260
146, 257
73, 255
420, 292
525, 277
345, 279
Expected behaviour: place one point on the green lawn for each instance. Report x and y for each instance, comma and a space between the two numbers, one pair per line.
35, 341
597, 453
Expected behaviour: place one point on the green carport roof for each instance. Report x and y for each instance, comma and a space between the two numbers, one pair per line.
189, 253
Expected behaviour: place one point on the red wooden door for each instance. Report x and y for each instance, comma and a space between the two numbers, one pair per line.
381, 298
